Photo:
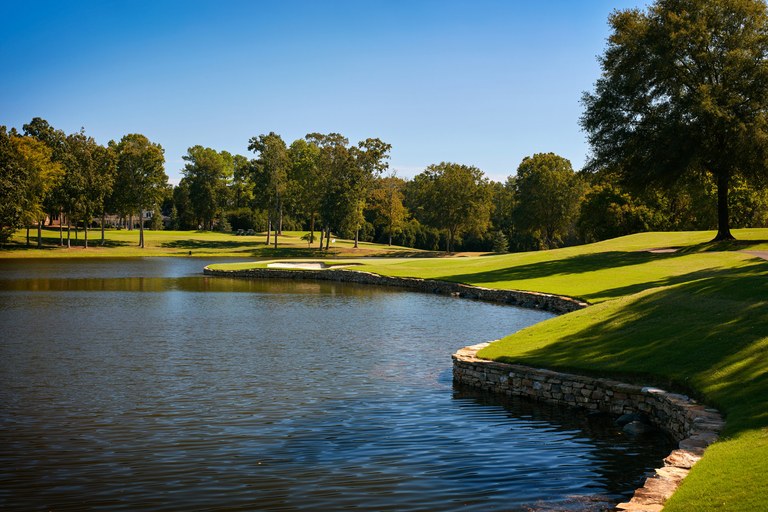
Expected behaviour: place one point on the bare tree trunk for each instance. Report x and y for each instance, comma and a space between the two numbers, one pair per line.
723, 218
85, 233
27, 234
61, 227
69, 235
141, 229
269, 230
103, 221
357, 236
327, 237
277, 230
280, 218
311, 229
40, 234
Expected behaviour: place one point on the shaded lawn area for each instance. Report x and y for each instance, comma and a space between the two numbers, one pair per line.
709, 334
694, 320
124, 243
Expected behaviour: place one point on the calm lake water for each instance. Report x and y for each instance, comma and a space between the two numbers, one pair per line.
142, 384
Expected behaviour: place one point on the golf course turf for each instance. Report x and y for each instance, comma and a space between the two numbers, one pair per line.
669, 309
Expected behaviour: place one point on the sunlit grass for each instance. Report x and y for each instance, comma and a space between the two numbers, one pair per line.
694, 320
124, 243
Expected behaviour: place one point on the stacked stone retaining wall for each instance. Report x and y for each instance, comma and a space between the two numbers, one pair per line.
548, 302
693, 425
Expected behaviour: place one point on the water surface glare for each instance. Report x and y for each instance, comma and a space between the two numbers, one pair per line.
142, 384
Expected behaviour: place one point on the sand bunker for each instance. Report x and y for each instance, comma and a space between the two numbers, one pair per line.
307, 265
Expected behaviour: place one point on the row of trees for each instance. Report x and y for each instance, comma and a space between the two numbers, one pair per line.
677, 122
47, 173
323, 184
321, 181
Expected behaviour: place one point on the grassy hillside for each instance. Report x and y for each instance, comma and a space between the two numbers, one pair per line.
695, 319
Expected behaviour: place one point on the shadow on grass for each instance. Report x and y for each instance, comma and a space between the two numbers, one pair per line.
210, 244
569, 266
724, 246
52, 242
710, 335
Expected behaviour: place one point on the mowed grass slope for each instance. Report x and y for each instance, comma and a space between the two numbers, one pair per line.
693, 320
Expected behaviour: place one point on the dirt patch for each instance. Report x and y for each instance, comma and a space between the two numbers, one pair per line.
759, 254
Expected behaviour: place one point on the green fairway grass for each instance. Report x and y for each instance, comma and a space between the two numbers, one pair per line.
694, 320
124, 243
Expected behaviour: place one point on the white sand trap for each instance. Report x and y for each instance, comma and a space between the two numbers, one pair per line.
307, 265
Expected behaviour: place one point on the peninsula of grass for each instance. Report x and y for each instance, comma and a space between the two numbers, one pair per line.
693, 320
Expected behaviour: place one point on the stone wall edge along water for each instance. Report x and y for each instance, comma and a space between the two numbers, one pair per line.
693, 425
548, 302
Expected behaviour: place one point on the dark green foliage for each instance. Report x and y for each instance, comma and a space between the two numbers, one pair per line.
451, 197
13, 182
547, 198
500, 242
684, 91
607, 212
206, 173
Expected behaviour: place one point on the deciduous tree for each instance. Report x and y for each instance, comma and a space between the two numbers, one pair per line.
453, 197
684, 89
140, 176
271, 175
547, 194
42, 176
207, 173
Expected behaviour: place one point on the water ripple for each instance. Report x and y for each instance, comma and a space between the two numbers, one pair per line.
139, 391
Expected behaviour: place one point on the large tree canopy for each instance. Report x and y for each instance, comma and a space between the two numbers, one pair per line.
548, 195
455, 198
141, 177
684, 90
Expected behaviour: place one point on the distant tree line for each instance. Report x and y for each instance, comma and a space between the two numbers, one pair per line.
677, 124
328, 187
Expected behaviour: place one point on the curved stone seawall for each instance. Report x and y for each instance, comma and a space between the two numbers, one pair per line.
694, 426
533, 300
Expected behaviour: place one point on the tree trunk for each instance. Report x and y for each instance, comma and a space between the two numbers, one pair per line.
723, 219
40, 234
69, 235
327, 238
311, 229
280, 218
61, 227
141, 229
357, 236
269, 230
277, 230
27, 234
85, 233
103, 221
449, 242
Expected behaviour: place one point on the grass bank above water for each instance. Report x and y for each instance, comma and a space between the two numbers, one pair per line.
694, 319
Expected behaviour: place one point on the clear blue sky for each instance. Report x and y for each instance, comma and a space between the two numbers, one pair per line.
477, 82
